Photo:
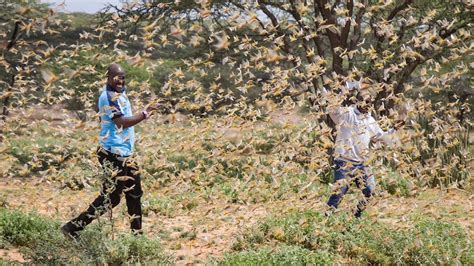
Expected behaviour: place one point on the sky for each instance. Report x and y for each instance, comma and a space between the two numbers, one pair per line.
88, 6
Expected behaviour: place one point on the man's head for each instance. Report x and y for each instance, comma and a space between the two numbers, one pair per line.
116, 77
362, 95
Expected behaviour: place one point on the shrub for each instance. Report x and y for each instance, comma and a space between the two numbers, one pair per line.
296, 228
426, 242
286, 255
41, 241
96, 247
395, 184
438, 242
23, 229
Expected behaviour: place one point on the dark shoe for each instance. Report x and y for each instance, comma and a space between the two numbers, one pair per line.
69, 231
136, 232
358, 214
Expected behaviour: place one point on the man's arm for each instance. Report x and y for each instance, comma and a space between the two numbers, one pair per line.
125, 122
389, 137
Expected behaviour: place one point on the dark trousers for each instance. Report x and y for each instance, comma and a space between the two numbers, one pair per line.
354, 172
121, 175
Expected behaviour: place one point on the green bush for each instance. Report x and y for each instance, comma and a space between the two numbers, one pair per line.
23, 229
40, 154
286, 255
468, 257
426, 242
96, 247
395, 184
304, 229
231, 191
437, 242
182, 162
41, 242
452, 149
8, 262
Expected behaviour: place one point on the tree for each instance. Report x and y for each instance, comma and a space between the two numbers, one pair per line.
21, 24
311, 43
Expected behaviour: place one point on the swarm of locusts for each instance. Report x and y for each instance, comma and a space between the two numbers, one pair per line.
240, 62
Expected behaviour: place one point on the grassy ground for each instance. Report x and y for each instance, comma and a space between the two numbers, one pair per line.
212, 188
211, 228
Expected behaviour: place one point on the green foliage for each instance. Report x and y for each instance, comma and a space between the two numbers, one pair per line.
97, 247
438, 242
427, 242
23, 229
78, 20
445, 157
162, 73
40, 154
296, 228
182, 162
160, 205
41, 241
395, 184
42, 150
285, 255
231, 191
8, 263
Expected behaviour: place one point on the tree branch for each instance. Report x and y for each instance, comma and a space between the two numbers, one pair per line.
399, 9
347, 26
334, 38
14, 36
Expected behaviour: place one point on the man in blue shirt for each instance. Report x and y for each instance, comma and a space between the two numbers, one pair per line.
116, 143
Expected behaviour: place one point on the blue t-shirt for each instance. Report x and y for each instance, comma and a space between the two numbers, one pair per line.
113, 139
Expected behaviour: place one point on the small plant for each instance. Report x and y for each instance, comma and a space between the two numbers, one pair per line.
285, 255
395, 184
160, 205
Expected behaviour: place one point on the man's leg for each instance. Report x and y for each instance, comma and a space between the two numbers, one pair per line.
339, 174
369, 185
109, 197
133, 193
98, 207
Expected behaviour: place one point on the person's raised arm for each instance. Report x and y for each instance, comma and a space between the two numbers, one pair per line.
389, 137
125, 122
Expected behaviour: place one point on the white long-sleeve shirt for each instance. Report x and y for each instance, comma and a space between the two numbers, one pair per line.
354, 133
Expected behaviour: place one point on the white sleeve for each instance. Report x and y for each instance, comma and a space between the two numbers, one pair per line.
389, 137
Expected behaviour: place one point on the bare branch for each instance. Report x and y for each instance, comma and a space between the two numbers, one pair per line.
399, 8
347, 26
14, 36
334, 38
356, 34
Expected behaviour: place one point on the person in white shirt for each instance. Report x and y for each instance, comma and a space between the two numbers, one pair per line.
356, 129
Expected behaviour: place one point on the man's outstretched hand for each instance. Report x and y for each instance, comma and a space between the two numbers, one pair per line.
151, 108
156, 106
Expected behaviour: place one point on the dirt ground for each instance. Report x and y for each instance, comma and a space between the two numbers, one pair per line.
209, 229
